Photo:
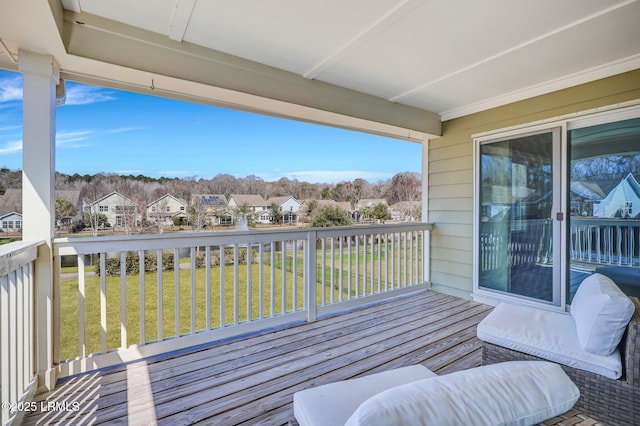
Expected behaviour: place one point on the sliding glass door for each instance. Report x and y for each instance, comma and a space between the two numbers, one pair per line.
519, 215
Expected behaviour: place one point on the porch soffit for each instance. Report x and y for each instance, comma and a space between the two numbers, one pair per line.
185, 70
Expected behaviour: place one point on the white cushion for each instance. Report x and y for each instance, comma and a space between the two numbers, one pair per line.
601, 312
510, 393
545, 334
332, 404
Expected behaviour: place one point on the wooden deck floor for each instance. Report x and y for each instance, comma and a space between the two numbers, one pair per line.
252, 380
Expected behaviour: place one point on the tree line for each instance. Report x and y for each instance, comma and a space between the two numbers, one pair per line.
403, 186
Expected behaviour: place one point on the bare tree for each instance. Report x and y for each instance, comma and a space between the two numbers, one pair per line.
404, 186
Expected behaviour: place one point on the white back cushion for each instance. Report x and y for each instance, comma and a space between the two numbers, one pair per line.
601, 313
509, 393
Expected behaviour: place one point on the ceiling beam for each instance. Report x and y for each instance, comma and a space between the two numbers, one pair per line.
92, 37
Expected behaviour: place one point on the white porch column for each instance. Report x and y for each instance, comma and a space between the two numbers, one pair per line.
425, 211
40, 77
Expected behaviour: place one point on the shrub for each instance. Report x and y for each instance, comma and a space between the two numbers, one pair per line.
132, 264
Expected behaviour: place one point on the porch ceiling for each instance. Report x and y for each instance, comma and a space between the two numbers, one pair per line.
395, 67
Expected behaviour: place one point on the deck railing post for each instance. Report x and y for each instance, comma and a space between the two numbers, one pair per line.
40, 77
310, 276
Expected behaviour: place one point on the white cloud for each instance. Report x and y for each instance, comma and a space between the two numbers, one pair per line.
330, 176
79, 94
11, 147
177, 173
73, 139
128, 172
11, 89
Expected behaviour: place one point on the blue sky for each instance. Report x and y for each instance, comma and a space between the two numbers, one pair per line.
105, 130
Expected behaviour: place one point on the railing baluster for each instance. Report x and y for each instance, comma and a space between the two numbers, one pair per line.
207, 286
103, 301
141, 269
20, 385
272, 313
159, 270
364, 264
5, 346
193, 290
236, 285
323, 267
332, 270
372, 264
13, 337
123, 300
357, 266
294, 271
283, 248
249, 287
223, 321
349, 271
176, 283
379, 244
81, 306
341, 270
261, 268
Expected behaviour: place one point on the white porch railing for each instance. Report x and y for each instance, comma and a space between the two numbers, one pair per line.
605, 241
181, 290
17, 321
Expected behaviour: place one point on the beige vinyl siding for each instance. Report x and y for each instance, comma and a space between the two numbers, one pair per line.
451, 169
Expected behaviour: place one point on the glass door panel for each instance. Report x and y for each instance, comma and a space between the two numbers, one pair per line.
604, 202
518, 205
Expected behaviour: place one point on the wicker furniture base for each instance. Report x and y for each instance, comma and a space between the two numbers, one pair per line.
613, 402
571, 418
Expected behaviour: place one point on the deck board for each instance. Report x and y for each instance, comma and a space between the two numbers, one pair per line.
252, 380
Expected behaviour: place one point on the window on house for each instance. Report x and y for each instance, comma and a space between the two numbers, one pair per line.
103, 209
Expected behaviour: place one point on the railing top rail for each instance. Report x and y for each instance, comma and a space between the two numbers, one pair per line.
87, 245
577, 220
16, 254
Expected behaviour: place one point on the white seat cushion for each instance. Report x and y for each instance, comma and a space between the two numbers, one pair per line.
601, 312
545, 334
332, 404
510, 393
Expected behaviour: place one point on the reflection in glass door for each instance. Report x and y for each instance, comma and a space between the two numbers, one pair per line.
519, 215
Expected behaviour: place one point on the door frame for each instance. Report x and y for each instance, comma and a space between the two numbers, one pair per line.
559, 165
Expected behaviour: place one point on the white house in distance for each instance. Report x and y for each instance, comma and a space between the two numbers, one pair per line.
256, 204
118, 209
11, 222
623, 200
165, 209
289, 207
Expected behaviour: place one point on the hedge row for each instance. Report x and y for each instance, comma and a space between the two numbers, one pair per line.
132, 266
112, 265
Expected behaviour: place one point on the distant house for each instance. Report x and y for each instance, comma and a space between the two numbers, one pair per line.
623, 201
118, 210
166, 209
11, 222
11, 201
257, 205
406, 211
289, 207
213, 207
369, 203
